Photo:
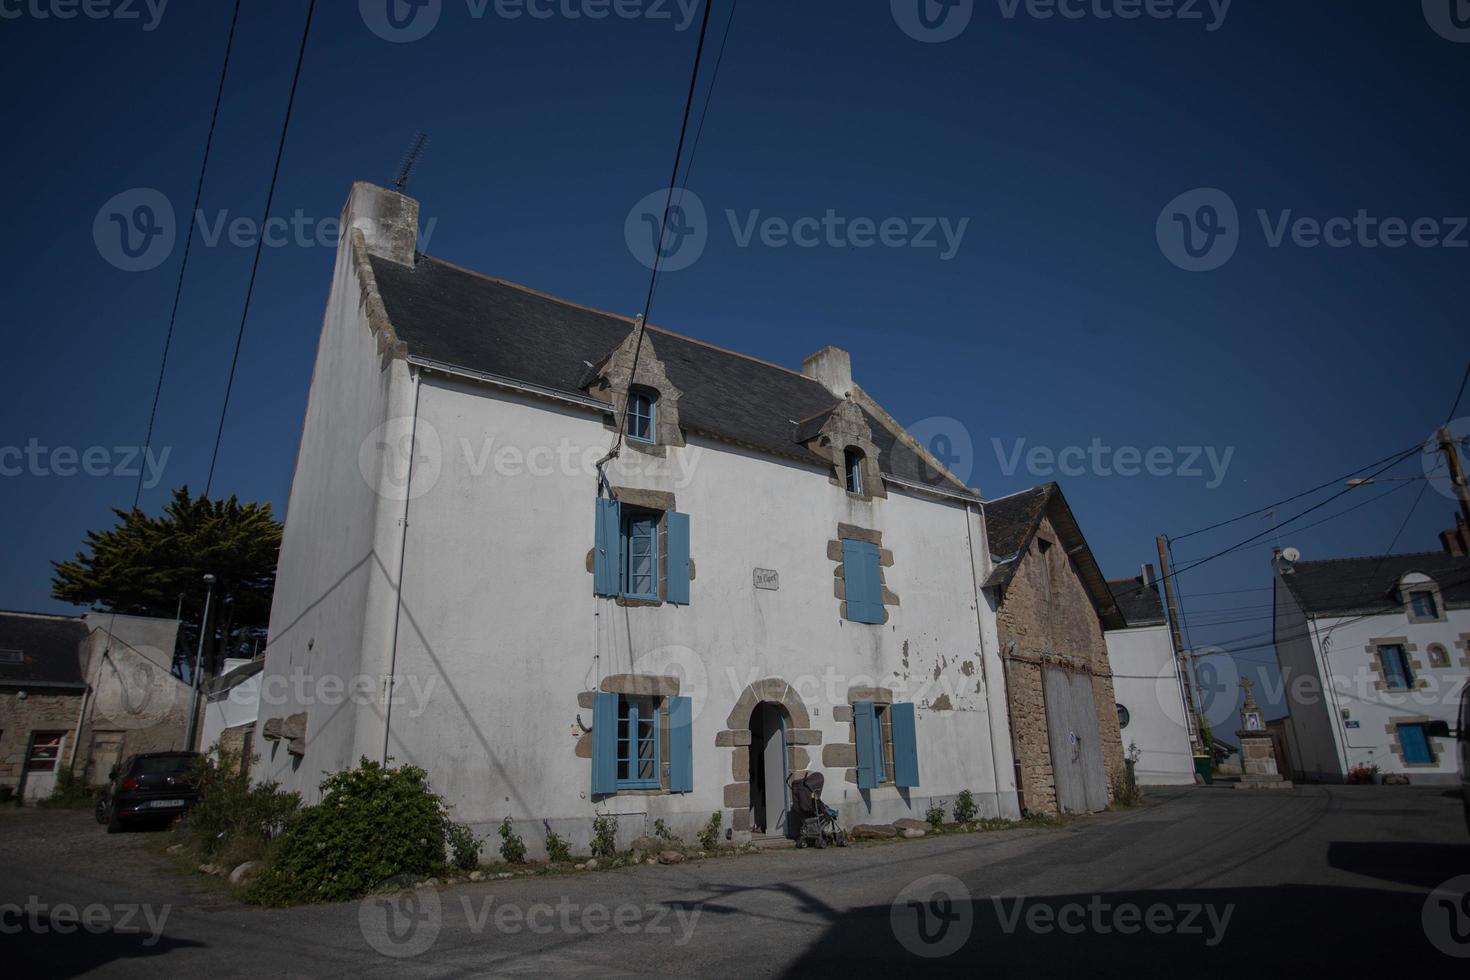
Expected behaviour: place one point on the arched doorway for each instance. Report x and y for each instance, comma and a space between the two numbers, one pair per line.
769, 796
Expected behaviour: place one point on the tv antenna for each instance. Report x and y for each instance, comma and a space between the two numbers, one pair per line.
409, 161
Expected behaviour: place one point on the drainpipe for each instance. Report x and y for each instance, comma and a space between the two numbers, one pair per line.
392, 680
995, 760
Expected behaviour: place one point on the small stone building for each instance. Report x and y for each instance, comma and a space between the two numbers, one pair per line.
1052, 607
106, 677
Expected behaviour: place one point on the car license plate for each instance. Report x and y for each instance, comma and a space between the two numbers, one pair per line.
164, 804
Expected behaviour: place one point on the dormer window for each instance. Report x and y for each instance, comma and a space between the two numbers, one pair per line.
642, 415
1423, 605
852, 467
1421, 598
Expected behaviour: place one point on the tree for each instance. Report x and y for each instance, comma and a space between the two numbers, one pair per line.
146, 566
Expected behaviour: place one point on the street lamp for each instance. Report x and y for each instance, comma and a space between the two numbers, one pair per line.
194, 677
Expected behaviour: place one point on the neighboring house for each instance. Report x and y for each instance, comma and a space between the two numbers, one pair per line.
773, 578
1371, 651
231, 707
1147, 682
106, 677
1052, 606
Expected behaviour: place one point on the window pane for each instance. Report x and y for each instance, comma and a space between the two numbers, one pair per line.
1395, 666
1424, 605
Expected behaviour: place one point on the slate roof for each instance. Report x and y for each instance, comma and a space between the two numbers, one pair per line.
1366, 585
446, 314
1010, 524
50, 647
1140, 604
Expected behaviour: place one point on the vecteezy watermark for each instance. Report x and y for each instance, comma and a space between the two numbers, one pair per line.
1101, 917
1099, 459
404, 458
300, 688
932, 21
405, 21
936, 21
39, 918
35, 459
1450, 19
1446, 917
1200, 230
1216, 683
948, 441
683, 238
932, 917
687, 232
402, 921
147, 13
137, 229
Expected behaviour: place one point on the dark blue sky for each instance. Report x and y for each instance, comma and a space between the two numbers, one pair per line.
1059, 321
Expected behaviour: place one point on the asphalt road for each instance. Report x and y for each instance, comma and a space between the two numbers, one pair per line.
1205, 882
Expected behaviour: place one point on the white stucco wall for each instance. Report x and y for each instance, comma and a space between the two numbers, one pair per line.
1146, 682
237, 706
1340, 645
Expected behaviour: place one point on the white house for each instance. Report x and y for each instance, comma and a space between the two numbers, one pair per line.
1147, 682
770, 577
231, 707
1372, 650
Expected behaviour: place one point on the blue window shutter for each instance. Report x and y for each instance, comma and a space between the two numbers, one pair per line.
681, 746
905, 745
861, 583
604, 743
1415, 742
678, 588
865, 720
608, 545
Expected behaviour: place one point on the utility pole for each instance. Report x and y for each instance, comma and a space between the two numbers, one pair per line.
194, 678
1457, 474
1192, 715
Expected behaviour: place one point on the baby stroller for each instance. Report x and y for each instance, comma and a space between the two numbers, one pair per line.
816, 822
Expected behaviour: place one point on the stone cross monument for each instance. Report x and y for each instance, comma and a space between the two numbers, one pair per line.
1257, 749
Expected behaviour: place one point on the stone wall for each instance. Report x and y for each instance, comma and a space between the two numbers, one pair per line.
35, 713
1051, 620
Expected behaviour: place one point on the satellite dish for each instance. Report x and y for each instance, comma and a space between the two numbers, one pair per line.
1291, 554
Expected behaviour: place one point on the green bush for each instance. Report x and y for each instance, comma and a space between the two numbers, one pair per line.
934, 816
70, 793
662, 832
512, 848
463, 846
232, 819
709, 837
374, 822
557, 849
604, 835
964, 807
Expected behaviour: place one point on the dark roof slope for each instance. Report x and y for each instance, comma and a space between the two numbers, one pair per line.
1369, 585
1010, 521
1010, 524
464, 319
1140, 604
50, 648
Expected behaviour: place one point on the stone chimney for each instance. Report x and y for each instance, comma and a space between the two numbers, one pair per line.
1456, 541
832, 366
389, 221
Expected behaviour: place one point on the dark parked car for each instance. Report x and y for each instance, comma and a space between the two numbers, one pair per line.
150, 787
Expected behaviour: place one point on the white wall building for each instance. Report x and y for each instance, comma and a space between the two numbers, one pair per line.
1371, 650
773, 577
1147, 683
231, 705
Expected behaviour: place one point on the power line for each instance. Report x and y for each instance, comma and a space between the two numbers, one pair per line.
173, 315
1461, 394
658, 245
260, 244
1304, 493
